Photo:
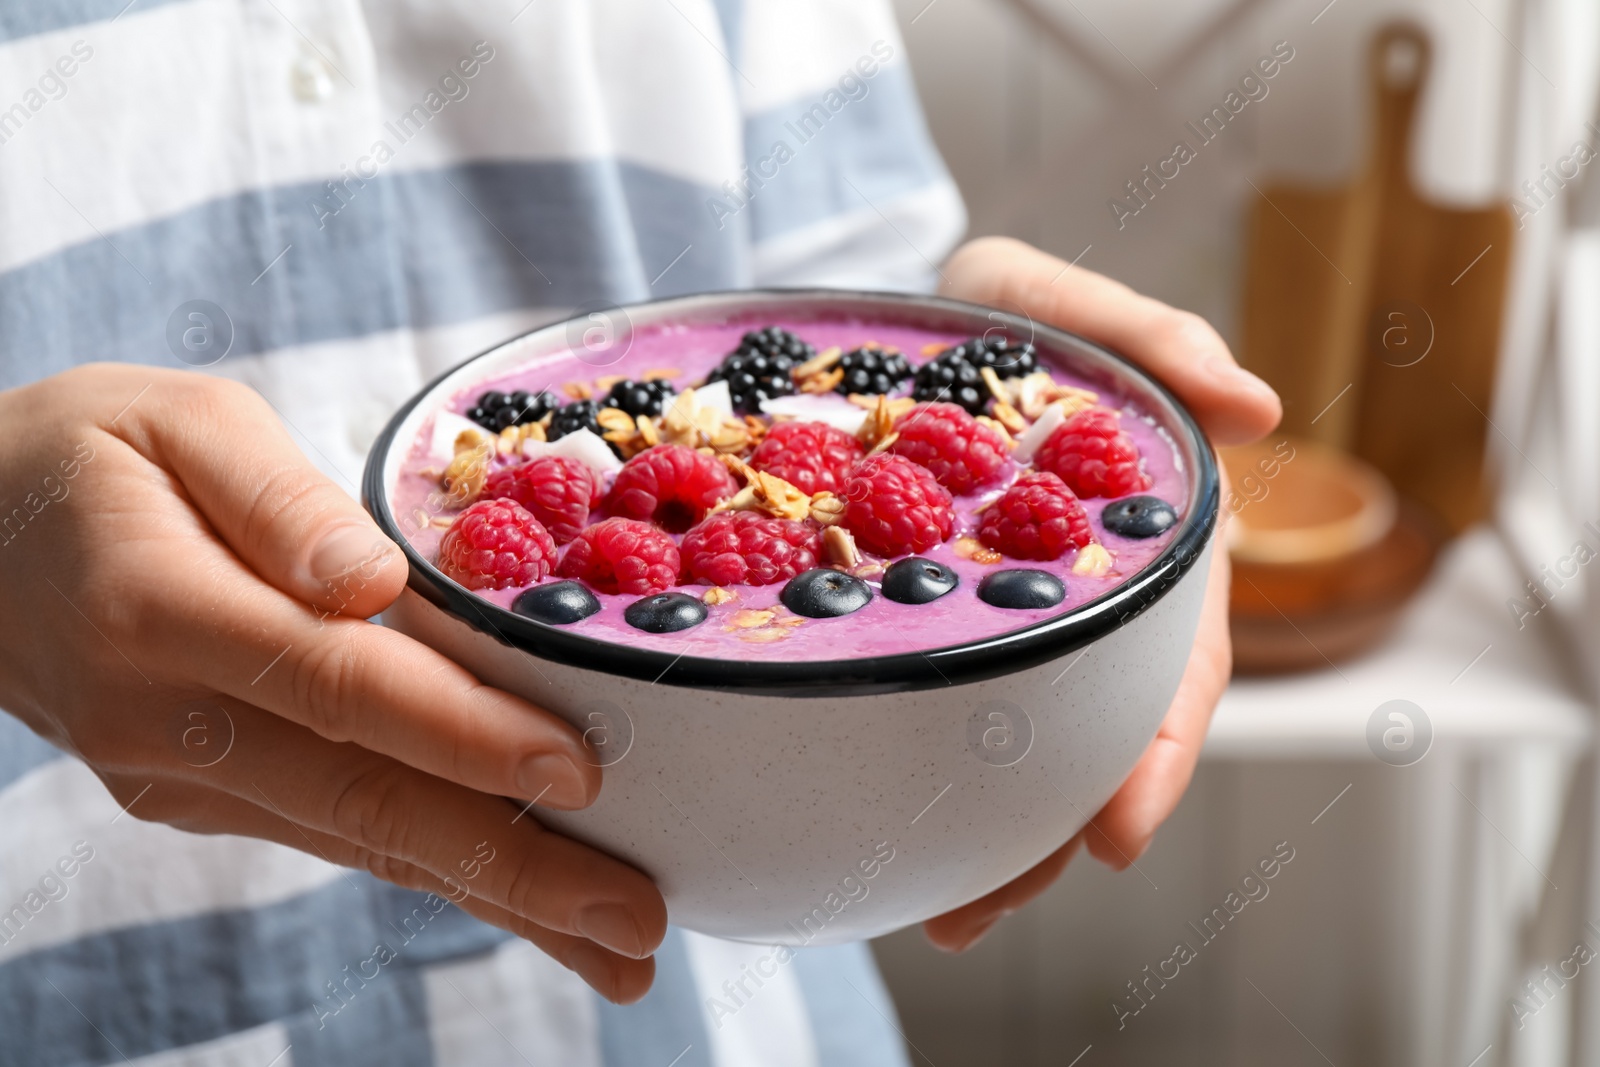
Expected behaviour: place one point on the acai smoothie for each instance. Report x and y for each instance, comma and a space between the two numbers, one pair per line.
811, 490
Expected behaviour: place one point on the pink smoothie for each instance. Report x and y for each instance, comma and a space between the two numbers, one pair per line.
883, 627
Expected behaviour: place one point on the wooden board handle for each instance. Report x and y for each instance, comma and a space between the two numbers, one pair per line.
1399, 60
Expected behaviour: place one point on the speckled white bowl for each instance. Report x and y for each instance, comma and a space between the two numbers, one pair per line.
816, 803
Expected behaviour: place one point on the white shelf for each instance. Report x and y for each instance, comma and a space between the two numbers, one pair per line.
1516, 691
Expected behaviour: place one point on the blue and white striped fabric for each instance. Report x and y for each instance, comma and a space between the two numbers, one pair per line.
372, 191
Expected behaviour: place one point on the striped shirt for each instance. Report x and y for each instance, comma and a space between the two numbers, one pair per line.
362, 194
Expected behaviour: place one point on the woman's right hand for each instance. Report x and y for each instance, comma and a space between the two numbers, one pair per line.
168, 554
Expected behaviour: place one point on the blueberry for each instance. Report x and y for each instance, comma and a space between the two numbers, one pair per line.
918, 581
821, 593
558, 604
1021, 588
1138, 516
665, 613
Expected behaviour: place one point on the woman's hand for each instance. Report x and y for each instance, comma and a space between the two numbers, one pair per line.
1185, 353
170, 562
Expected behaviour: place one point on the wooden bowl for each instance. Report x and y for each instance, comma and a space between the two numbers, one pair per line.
1325, 555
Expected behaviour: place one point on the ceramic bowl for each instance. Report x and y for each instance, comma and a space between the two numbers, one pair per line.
823, 802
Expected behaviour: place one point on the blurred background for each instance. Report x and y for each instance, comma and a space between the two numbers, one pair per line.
1396, 227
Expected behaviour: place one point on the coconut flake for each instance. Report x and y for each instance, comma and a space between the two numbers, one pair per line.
715, 396
585, 446
1030, 439
832, 409
447, 426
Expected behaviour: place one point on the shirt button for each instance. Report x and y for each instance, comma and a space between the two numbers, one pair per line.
310, 78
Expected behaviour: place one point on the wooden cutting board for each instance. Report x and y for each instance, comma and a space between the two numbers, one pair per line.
1375, 313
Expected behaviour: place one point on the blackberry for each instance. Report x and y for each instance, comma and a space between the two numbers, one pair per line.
578, 415
640, 398
570, 418
1010, 359
950, 377
871, 369
496, 410
761, 367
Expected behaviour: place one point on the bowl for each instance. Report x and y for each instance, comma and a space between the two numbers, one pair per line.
810, 803
1326, 555
1304, 502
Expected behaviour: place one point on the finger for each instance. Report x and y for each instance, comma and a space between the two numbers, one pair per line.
349, 680
389, 808
288, 522
1124, 827
619, 979
200, 809
959, 930
1178, 347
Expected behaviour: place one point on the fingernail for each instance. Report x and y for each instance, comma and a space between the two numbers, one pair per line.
1231, 374
978, 935
348, 548
551, 779
591, 964
613, 926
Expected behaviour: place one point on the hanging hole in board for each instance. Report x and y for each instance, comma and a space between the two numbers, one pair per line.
1402, 63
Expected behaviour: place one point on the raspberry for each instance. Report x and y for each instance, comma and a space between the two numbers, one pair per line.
749, 548
1092, 454
1038, 517
495, 544
670, 485
556, 490
622, 556
811, 456
956, 448
895, 507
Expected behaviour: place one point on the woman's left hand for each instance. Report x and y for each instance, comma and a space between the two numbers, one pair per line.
1234, 406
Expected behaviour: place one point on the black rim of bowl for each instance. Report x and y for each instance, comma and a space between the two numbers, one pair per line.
979, 660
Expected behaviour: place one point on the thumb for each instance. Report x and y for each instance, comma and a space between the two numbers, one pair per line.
289, 523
